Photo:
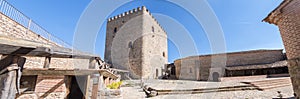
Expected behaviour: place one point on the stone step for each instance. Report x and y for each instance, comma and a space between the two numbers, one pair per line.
273, 80
274, 86
205, 90
270, 84
201, 89
269, 81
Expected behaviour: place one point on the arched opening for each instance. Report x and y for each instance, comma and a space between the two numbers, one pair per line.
130, 45
152, 29
115, 30
216, 76
156, 73
173, 70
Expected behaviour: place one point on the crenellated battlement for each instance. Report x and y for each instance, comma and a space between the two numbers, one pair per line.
132, 38
133, 11
138, 9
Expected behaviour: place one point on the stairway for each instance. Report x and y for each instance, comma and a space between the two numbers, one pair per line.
207, 90
252, 85
270, 84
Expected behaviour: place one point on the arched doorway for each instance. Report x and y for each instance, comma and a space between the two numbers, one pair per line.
216, 76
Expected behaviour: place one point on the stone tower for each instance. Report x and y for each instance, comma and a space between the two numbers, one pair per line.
136, 42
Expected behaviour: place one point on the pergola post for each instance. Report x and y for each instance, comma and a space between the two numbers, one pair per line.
10, 75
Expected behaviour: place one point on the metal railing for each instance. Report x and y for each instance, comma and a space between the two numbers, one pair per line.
13, 13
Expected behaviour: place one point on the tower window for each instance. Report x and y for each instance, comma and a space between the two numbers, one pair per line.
164, 55
152, 29
191, 71
130, 45
115, 30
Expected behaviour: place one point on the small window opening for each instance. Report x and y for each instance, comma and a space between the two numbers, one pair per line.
130, 45
115, 30
164, 55
156, 76
191, 70
27, 83
152, 29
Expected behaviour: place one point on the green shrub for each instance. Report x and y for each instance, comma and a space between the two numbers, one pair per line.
114, 85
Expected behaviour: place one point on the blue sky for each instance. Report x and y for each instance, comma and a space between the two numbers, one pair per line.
240, 21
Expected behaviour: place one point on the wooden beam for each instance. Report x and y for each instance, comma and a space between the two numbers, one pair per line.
60, 72
10, 46
67, 81
88, 93
52, 71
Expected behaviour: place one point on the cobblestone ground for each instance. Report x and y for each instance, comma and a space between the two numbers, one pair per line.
135, 91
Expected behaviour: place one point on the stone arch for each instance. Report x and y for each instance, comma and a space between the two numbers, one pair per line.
153, 30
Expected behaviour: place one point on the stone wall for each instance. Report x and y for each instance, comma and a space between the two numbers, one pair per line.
155, 47
287, 17
13, 29
289, 28
202, 67
46, 86
136, 42
123, 42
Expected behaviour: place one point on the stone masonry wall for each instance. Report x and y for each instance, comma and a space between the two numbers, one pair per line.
123, 42
199, 67
47, 86
136, 42
288, 15
289, 28
11, 28
155, 47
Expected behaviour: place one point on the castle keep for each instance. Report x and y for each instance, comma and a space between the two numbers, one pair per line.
136, 42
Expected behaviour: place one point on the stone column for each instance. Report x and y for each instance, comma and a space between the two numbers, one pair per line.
10, 73
294, 70
101, 87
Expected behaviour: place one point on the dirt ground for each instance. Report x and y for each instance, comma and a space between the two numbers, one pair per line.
133, 90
